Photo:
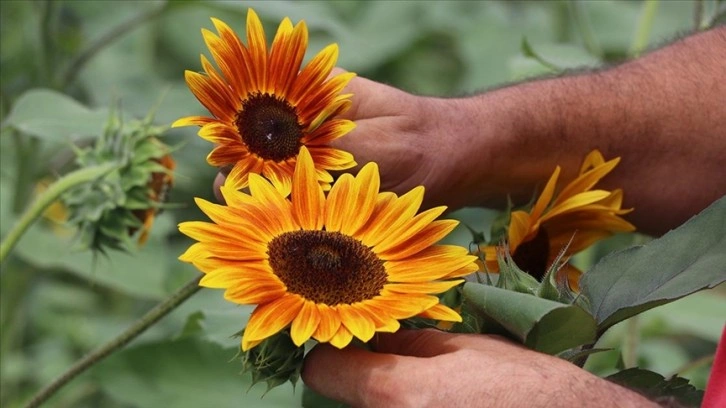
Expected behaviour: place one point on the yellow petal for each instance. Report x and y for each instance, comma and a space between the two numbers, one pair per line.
546, 196
308, 199
193, 121
441, 312
423, 287
257, 46
519, 229
339, 201
268, 319
585, 181
305, 324
361, 207
314, 73
409, 230
427, 237
329, 323
430, 264
390, 213
341, 338
575, 202
357, 322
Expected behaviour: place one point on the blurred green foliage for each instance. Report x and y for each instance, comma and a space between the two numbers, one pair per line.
57, 304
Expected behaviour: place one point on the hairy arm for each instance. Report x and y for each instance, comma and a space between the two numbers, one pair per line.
429, 368
664, 114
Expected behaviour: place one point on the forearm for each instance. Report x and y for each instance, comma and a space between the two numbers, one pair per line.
663, 114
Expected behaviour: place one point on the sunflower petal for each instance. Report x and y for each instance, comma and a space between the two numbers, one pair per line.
343, 193
357, 322
341, 338
546, 196
329, 323
257, 52
308, 199
360, 208
428, 236
441, 312
305, 323
423, 287
270, 318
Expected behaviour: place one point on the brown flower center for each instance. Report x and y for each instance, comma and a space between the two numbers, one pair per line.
326, 267
532, 256
269, 127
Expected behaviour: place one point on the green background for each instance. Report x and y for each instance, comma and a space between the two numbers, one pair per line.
57, 303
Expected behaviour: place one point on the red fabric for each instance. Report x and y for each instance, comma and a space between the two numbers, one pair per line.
716, 389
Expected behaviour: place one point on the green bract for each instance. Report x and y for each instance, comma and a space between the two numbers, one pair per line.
111, 210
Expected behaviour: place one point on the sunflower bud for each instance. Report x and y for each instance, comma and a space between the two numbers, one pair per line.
275, 361
114, 208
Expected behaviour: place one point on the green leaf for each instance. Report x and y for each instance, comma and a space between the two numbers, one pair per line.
658, 388
541, 324
685, 260
184, 373
51, 115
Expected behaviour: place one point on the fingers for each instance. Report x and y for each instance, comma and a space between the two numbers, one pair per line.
432, 342
219, 182
357, 377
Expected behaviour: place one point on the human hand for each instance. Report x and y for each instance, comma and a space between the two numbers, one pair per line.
430, 368
415, 140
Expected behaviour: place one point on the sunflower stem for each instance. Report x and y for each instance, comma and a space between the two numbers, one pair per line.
53, 192
117, 32
96, 356
645, 25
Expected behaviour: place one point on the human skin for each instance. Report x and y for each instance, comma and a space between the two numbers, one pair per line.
663, 114
430, 368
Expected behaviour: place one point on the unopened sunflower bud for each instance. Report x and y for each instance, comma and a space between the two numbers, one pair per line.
111, 210
275, 361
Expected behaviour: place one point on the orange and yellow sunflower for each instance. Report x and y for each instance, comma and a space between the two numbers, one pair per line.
265, 107
351, 263
571, 220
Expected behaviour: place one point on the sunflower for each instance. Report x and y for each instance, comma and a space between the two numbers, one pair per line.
572, 220
265, 107
351, 263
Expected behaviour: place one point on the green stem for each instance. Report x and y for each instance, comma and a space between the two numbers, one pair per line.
630, 343
96, 356
703, 361
76, 65
47, 41
645, 25
697, 14
50, 195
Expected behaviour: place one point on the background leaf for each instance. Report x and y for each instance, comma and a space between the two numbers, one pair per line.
185, 373
683, 261
53, 116
541, 324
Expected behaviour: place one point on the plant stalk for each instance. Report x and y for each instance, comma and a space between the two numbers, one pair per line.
645, 26
50, 195
96, 356
76, 65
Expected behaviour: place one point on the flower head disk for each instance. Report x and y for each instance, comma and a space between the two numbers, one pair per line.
574, 219
265, 107
331, 268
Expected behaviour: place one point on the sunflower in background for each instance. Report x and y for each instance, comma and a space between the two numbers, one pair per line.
571, 220
265, 108
333, 267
